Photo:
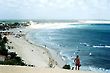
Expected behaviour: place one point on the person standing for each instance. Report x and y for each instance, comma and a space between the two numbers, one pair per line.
77, 62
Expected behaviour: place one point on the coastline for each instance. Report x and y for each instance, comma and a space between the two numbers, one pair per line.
51, 56
43, 62
28, 53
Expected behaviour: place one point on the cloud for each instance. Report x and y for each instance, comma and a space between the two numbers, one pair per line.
79, 4
57, 8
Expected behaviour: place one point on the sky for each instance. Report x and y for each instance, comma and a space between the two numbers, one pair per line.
55, 9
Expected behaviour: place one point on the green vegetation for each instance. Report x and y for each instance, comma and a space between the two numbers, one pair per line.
11, 58
66, 67
3, 41
14, 61
5, 25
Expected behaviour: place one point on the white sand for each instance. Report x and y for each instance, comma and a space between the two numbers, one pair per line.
19, 69
31, 54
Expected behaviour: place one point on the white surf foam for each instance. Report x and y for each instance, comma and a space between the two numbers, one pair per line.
97, 22
101, 46
55, 25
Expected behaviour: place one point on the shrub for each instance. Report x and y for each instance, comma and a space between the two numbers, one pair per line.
66, 67
13, 55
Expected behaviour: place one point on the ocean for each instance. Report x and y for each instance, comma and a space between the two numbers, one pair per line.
91, 42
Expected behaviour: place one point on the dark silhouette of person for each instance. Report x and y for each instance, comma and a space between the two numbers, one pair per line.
77, 62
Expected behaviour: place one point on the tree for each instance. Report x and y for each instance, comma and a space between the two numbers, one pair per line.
13, 55
5, 40
0, 38
3, 49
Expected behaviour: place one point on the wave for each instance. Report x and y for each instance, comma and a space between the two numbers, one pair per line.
95, 69
95, 46
98, 46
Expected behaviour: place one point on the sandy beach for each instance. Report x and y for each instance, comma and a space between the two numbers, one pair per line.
22, 69
38, 56
28, 52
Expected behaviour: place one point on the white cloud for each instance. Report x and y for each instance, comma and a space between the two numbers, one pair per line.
62, 8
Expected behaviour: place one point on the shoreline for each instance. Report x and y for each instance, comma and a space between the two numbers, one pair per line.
53, 56
51, 53
28, 53
39, 47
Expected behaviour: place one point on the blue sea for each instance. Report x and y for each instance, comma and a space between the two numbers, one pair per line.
91, 42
